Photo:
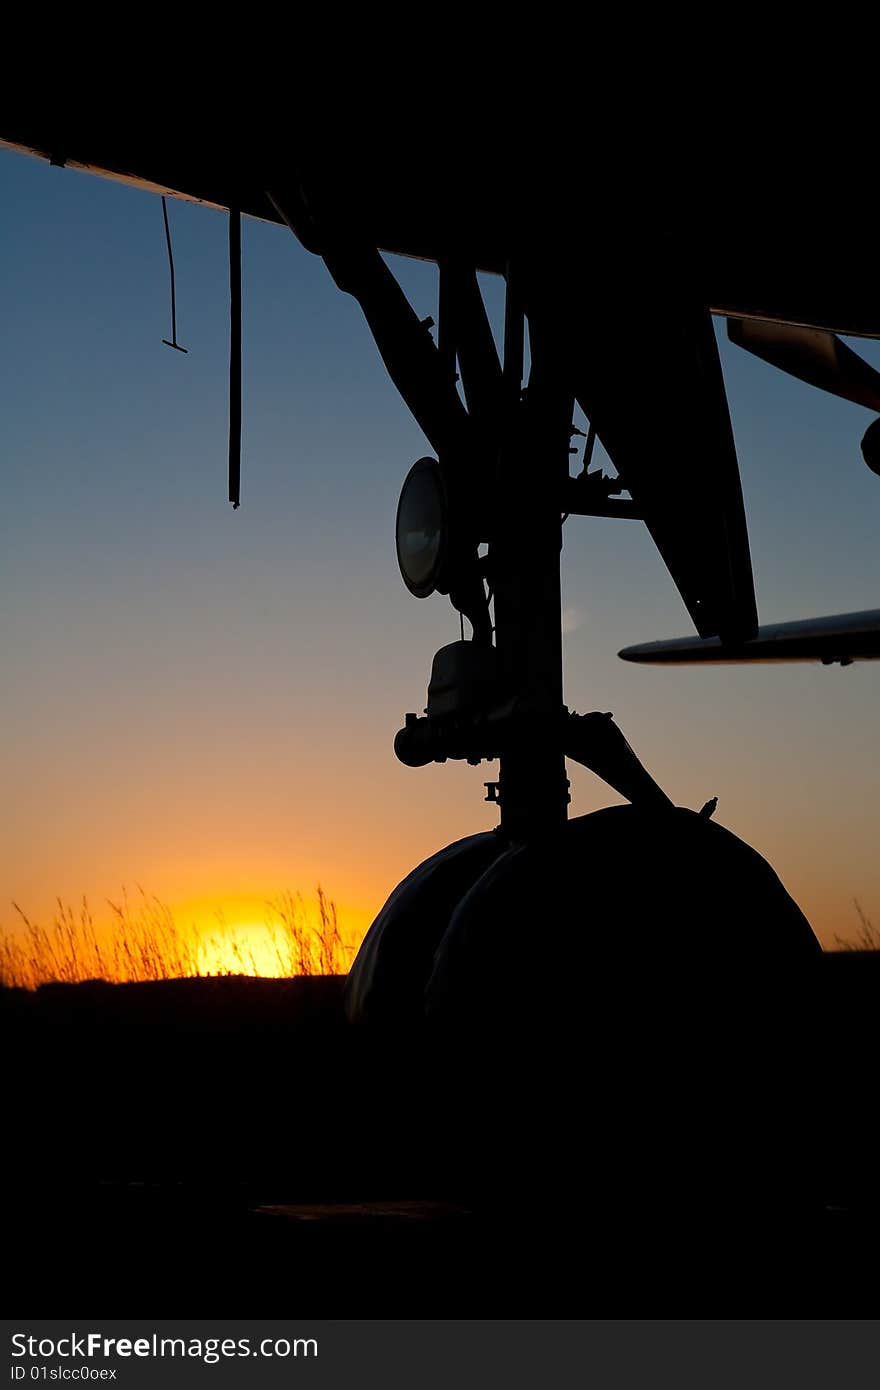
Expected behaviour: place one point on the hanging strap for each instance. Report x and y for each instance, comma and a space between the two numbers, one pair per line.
173, 343
235, 357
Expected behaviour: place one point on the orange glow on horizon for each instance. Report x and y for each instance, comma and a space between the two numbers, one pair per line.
139, 938
246, 935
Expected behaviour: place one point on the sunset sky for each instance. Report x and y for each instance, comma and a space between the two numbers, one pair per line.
203, 701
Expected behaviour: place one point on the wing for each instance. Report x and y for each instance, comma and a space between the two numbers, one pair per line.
844, 638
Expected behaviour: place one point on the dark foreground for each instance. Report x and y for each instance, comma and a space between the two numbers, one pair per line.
232, 1147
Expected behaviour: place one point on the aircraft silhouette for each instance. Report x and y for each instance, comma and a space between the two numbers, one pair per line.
660, 243
657, 244
660, 892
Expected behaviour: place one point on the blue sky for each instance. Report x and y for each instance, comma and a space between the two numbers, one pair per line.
204, 701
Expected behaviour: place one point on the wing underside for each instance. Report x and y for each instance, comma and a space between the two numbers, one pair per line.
844, 638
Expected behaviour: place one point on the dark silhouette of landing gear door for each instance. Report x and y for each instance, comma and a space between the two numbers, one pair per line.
664, 421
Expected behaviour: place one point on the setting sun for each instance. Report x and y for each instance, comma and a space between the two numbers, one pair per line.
244, 948
139, 938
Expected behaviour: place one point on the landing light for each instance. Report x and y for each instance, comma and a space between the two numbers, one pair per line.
871, 447
422, 531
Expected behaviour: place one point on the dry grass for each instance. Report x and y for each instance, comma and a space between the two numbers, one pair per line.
868, 938
140, 940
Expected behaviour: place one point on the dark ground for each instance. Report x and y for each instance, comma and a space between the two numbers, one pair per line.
231, 1147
